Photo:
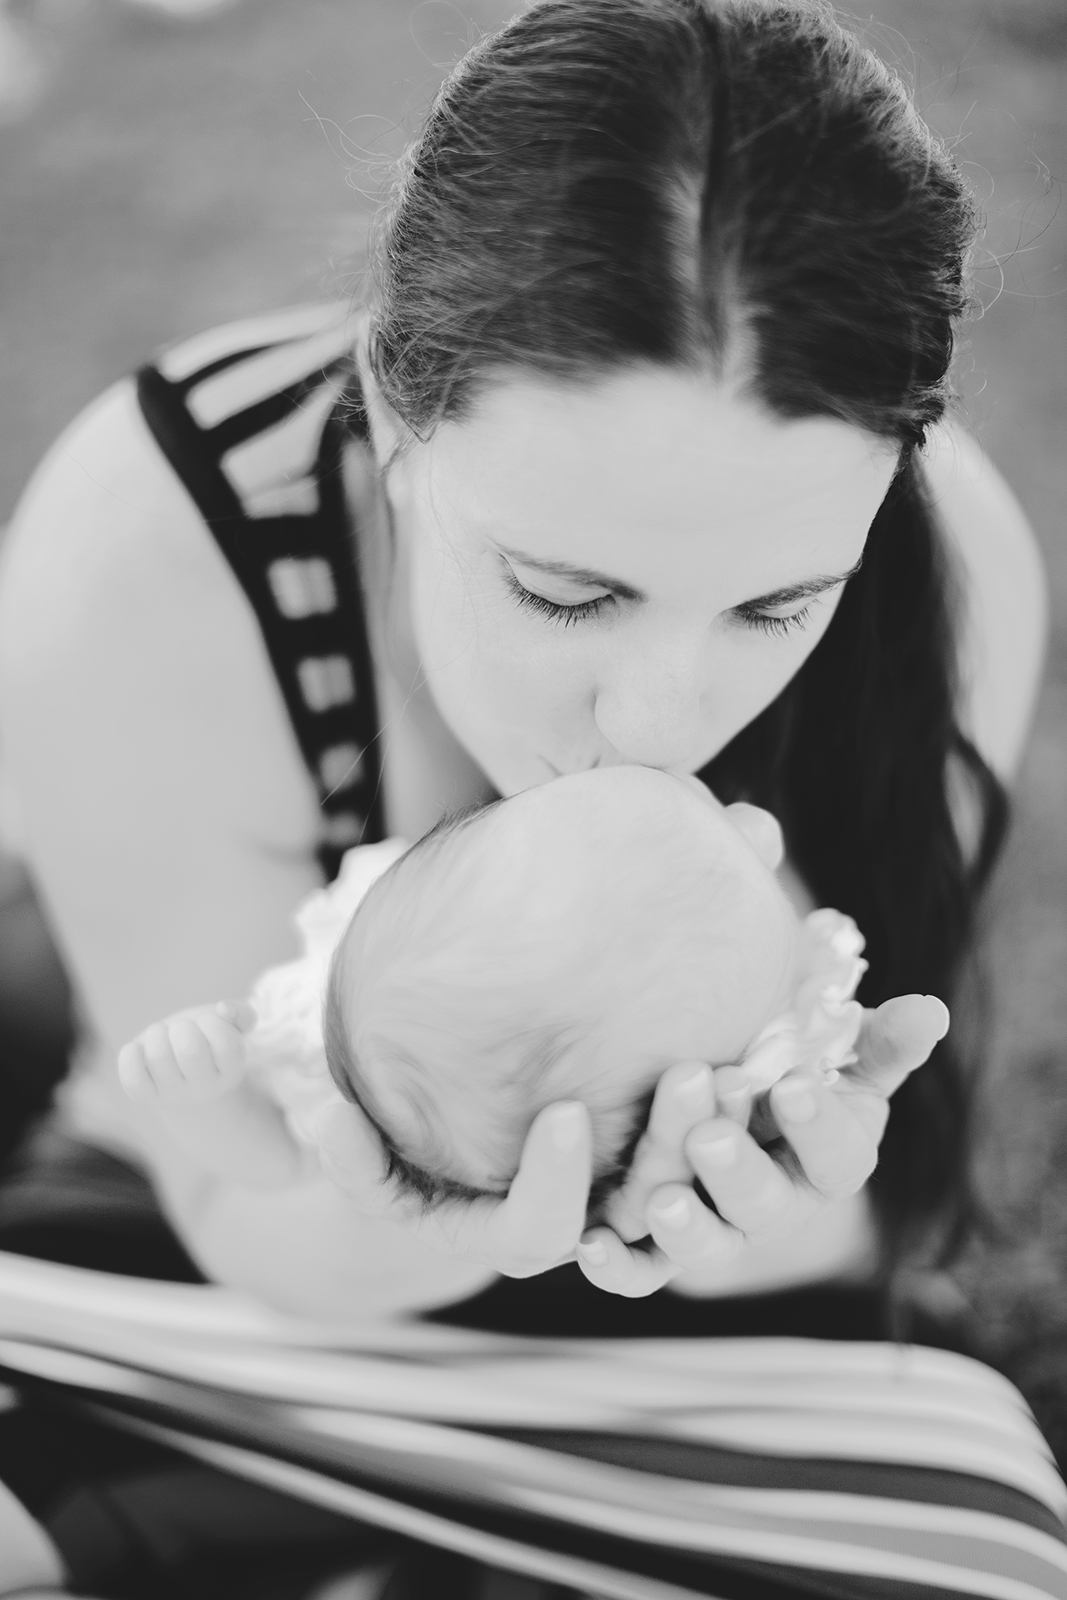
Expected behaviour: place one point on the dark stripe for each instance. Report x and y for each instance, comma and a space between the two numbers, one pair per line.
268, 412
182, 442
184, 385
250, 546
704, 1463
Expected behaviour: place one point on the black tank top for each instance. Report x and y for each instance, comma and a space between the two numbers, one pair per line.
253, 419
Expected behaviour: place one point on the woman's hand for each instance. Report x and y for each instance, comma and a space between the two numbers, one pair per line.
537, 1225
698, 1127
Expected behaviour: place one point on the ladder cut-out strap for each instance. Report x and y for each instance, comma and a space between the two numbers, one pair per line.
257, 435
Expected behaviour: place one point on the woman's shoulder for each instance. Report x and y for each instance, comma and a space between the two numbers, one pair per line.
102, 516
1004, 595
120, 619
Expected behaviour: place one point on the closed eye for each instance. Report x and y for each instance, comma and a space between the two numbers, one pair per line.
554, 610
773, 622
756, 614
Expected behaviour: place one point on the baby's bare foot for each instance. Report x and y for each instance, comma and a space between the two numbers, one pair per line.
196, 1055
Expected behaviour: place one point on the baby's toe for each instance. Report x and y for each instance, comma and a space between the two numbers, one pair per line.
134, 1075
161, 1064
195, 1058
226, 1042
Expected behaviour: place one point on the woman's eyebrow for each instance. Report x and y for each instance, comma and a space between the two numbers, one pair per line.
806, 590
564, 569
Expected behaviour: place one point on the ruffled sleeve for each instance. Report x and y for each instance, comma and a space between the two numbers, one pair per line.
822, 1025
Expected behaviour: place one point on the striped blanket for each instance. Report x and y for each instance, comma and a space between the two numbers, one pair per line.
632, 1469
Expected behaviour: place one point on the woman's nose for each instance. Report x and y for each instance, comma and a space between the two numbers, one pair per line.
653, 710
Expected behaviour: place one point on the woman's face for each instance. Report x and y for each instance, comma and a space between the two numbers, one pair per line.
627, 571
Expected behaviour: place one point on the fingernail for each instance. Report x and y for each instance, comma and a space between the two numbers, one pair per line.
946, 1018
795, 1101
675, 1214
567, 1128
595, 1252
734, 1101
694, 1089
717, 1149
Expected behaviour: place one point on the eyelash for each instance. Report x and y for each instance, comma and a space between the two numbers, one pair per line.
779, 627
568, 615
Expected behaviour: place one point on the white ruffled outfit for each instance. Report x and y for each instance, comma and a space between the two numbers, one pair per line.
822, 1025
286, 1046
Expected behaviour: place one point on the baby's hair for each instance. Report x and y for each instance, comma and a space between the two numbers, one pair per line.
411, 1177
416, 1181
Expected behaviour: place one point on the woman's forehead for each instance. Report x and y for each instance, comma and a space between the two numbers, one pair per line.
646, 464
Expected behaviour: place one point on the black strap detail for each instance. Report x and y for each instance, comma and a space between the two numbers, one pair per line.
301, 577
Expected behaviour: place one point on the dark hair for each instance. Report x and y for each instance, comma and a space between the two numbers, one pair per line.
701, 182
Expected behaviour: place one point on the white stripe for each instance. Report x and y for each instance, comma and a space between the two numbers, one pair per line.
180, 360
297, 499
42, 1298
326, 681
285, 452
665, 1390
1015, 1454
246, 383
490, 1548
795, 1357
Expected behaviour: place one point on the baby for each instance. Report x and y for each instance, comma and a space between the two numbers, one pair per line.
569, 943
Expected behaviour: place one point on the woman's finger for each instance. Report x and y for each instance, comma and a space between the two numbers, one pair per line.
543, 1217
747, 1187
351, 1155
837, 1148
733, 1095
618, 1269
762, 830
896, 1038
685, 1096
687, 1233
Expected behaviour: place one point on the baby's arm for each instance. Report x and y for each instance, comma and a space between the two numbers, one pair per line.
193, 1066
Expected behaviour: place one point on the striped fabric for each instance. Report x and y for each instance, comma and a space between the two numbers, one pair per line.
732, 1468
253, 418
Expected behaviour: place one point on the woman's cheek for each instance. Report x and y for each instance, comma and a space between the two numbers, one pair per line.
509, 690
749, 672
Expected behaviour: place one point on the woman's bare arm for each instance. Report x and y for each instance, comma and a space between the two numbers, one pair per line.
168, 821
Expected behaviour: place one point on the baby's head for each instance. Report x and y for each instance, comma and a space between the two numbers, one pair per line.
569, 943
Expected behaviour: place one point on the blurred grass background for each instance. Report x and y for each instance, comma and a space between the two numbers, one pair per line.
160, 174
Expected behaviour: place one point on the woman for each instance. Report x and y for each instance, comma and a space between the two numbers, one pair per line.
641, 454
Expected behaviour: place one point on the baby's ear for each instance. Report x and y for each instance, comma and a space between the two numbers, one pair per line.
761, 830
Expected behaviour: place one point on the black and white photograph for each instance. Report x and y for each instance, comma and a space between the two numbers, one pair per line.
533, 800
